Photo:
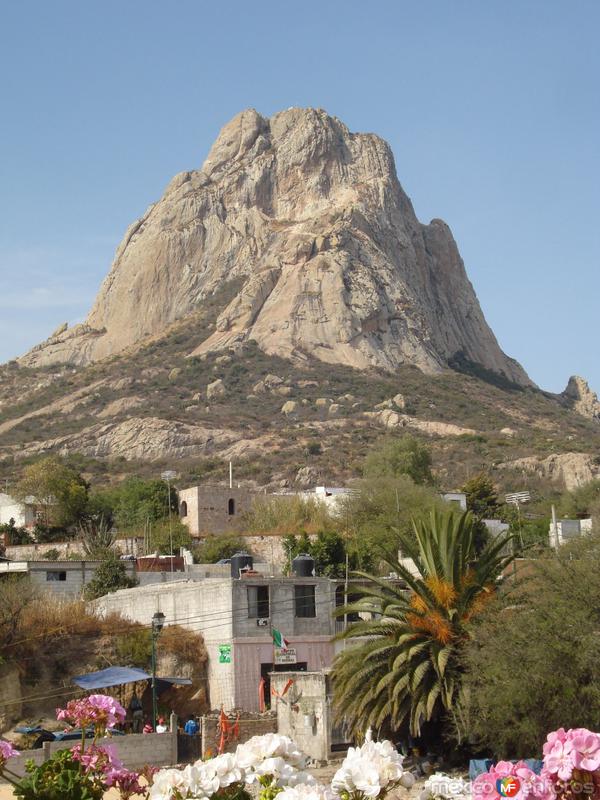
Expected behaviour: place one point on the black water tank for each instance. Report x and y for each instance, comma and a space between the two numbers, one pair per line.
240, 561
303, 566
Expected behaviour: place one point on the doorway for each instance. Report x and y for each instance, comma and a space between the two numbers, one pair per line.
266, 668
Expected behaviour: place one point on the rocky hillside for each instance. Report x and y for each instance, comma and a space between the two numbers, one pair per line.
283, 308
282, 423
330, 259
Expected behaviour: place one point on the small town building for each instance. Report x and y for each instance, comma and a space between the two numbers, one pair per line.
23, 514
566, 530
238, 618
63, 578
458, 498
214, 509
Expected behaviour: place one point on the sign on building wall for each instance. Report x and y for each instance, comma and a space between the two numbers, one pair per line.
224, 654
285, 655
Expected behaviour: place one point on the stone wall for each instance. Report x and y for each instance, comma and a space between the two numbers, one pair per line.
37, 552
134, 750
214, 509
249, 726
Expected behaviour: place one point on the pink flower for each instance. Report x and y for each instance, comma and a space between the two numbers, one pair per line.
97, 759
560, 760
100, 710
586, 749
6, 751
556, 736
125, 781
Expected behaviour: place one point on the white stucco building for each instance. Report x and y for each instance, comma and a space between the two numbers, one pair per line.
23, 514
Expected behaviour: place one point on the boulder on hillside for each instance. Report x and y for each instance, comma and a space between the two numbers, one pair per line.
290, 407
215, 390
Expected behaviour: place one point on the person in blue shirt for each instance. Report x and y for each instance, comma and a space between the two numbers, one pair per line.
191, 726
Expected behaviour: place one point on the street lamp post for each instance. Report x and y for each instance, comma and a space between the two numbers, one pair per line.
168, 476
158, 620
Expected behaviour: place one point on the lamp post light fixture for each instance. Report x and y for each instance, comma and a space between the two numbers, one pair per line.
158, 620
168, 475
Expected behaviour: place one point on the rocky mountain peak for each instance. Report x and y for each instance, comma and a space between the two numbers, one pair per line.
311, 222
581, 398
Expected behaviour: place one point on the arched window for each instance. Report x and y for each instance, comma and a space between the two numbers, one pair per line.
231, 507
183, 509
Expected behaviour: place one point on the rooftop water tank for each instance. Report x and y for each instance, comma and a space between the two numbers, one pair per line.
303, 566
240, 561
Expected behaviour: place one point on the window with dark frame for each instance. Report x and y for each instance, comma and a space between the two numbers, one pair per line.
304, 600
258, 602
56, 575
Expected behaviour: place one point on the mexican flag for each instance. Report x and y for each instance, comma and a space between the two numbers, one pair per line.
279, 639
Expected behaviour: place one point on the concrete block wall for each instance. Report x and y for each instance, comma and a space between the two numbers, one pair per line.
201, 606
134, 750
248, 728
306, 715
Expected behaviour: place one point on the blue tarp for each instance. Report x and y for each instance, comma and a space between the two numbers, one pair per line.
113, 676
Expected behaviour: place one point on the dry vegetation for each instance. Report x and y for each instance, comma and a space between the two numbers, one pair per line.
540, 424
50, 641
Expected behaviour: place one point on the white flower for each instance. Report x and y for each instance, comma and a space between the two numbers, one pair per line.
166, 781
227, 769
407, 780
356, 774
303, 791
371, 768
440, 786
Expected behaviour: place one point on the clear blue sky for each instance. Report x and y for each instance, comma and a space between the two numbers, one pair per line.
492, 109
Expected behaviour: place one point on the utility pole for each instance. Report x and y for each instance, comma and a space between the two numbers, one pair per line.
168, 475
158, 620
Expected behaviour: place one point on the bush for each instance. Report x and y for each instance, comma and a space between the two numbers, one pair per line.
214, 548
16, 535
391, 458
110, 576
135, 648
534, 662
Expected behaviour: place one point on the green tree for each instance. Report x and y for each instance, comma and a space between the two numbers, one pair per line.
15, 535
533, 664
404, 663
328, 548
379, 511
391, 458
214, 548
581, 502
110, 576
60, 493
163, 533
135, 502
482, 498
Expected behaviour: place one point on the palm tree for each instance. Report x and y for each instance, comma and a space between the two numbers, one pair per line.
404, 662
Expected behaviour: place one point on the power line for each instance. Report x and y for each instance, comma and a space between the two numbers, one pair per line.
224, 615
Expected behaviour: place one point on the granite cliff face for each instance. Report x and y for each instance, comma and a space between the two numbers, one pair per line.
581, 398
311, 221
